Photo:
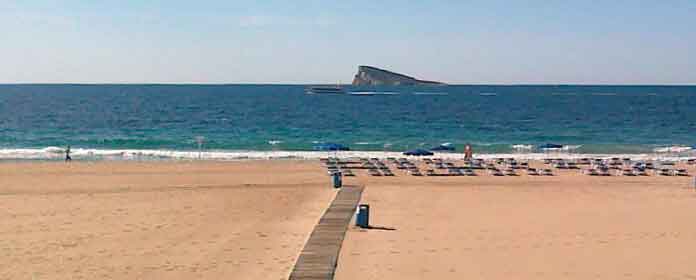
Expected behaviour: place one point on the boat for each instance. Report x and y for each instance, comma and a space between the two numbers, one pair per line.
337, 89
370, 93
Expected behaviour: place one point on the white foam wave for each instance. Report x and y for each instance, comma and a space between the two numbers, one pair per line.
126, 154
673, 149
54, 150
523, 147
565, 148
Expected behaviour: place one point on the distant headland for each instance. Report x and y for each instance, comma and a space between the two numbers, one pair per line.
373, 76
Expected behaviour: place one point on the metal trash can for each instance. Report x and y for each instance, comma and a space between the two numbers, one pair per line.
362, 218
337, 179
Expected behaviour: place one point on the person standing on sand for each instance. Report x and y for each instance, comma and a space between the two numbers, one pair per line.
67, 154
468, 152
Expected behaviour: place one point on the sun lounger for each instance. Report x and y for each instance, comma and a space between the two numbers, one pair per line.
468, 172
640, 172
591, 172
455, 172
523, 165
546, 172
681, 172
532, 172
627, 172
495, 172
664, 172
510, 172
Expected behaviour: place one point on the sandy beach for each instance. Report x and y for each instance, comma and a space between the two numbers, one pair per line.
250, 220
128, 220
569, 226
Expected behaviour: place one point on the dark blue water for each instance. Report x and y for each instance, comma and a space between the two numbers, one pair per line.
603, 119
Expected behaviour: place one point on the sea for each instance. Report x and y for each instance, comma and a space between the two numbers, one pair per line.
228, 122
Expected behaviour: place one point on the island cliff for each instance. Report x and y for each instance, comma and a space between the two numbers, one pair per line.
373, 76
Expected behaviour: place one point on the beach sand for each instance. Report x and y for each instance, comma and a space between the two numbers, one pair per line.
249, 220
127, 220
569, 226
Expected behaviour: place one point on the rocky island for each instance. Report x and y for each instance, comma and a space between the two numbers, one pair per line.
373, 76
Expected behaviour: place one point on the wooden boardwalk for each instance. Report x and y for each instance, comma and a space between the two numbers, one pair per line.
319, 257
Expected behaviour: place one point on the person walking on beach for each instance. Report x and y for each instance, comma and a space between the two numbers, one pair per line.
67, 154
468, 152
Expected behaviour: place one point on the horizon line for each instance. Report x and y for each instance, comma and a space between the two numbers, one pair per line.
341, 84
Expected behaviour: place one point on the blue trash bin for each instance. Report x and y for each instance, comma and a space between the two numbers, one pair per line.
363, 216
337, 179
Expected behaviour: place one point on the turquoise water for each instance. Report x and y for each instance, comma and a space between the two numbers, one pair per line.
601, 119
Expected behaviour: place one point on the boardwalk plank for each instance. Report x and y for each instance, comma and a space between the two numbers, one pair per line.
319, 258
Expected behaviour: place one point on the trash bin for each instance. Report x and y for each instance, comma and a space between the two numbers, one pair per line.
363, 216
337, 179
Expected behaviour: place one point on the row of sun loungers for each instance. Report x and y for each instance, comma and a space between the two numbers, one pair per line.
451, 172
503, 167
635, 172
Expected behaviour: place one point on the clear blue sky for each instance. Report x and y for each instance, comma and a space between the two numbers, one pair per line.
585, 42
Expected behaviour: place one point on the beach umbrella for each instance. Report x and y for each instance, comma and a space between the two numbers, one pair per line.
331, 147
550, 146
446, 147
418, 152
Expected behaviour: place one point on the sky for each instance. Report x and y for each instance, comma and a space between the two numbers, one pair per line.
288, 42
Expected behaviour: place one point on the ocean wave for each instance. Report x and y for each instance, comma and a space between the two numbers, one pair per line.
51, 153
565, 148
430, 93
673, 149
53, 150
522, 147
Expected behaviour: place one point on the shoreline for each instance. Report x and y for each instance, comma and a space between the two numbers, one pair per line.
80, 154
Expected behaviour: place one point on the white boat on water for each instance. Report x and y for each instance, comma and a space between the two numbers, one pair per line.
325, 90
367, 93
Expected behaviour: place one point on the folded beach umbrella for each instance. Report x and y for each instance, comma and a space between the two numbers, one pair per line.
550, 146
331, 147
418, 152
447, 147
